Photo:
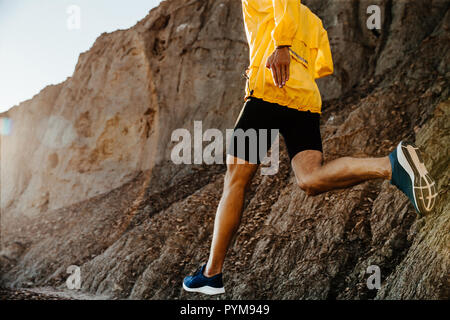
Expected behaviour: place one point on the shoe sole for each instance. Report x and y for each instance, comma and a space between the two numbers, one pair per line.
424, 187
205, 290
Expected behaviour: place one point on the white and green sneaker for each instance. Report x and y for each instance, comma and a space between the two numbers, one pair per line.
412, 178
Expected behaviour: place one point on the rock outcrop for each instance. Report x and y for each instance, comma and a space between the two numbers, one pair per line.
87, 180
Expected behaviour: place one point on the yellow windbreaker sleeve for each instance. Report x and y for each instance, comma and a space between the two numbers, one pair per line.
324, 60
287, 21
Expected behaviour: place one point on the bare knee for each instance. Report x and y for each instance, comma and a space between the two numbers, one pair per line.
239, 175
309, 184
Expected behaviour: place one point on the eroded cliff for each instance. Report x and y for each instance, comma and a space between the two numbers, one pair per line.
86, 176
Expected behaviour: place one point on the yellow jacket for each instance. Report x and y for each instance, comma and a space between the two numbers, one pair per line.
272, 23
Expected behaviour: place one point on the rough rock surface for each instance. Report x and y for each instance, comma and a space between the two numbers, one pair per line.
25, 295
86, 176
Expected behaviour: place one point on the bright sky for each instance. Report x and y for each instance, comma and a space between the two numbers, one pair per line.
40, 40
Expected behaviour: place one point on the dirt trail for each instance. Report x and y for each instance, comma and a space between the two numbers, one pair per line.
47, 293
28, 294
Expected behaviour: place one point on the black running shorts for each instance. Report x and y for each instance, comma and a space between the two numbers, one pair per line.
300, 130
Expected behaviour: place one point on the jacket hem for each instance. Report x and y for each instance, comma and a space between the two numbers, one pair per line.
283, 103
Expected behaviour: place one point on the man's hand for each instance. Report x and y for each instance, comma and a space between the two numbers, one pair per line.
278, 63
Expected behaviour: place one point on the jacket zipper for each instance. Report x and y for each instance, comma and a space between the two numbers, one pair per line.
298, 56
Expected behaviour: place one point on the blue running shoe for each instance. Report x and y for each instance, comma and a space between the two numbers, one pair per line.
199, 283
412, 178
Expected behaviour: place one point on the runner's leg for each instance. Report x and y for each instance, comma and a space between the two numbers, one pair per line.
229, 211
315, 178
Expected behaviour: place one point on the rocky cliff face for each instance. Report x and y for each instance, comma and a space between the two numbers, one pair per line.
87, 180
